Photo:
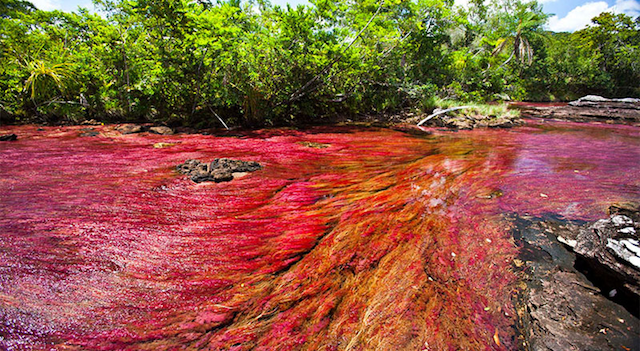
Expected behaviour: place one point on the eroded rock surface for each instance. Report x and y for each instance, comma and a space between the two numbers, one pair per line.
219, 170
566, 303
589, 108
476, 121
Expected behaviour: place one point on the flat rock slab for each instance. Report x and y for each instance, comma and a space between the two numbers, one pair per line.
590, 108
560, 306
219, 170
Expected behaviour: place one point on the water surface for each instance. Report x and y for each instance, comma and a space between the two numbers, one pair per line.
348, 238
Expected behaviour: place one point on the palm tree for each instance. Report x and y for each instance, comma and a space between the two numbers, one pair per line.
44, 77
529, 24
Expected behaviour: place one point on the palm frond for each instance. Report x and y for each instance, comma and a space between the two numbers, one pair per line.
43, 74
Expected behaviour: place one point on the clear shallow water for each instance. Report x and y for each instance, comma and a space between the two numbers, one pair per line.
382, 240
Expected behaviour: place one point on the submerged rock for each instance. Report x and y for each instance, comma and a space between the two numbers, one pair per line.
8, 137
88, 132
219, 170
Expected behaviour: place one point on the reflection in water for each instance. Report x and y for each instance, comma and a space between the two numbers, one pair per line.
379, 241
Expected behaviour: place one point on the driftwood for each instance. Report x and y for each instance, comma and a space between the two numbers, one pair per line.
219, 119
442, 112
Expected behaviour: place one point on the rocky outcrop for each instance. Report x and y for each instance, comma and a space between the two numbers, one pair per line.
611, 248
579, 291
162, 130
137, 128
129, 128
589, 108
219, 170
445, 118
8, 137
471, 122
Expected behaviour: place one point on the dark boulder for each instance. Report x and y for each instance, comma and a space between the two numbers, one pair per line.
8, 137
219, 170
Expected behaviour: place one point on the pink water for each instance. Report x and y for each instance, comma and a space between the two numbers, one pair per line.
382, 240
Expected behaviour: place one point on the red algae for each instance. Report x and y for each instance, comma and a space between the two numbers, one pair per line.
380, 240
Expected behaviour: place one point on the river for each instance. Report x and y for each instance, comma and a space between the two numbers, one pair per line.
347, 238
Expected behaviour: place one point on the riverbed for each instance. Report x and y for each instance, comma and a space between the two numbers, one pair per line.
347, 238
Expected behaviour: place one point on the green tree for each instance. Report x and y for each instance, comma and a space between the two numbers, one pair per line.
614, 41
516, 24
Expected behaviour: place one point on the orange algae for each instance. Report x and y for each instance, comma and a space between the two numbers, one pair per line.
379, 241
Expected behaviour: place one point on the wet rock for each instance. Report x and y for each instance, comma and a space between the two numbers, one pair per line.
590, 108
8, 137
314, 145
162, 145
129, 128
162, 130
91, 122
561, 306
568, 313
88, 132
219, 170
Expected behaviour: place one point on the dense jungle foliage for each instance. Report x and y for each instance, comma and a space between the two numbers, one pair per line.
250, 63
